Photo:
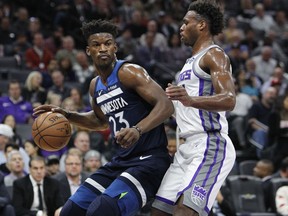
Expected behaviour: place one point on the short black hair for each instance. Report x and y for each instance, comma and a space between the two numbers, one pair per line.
210, 11
98, 26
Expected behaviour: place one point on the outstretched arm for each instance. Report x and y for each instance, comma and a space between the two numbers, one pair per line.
92, 120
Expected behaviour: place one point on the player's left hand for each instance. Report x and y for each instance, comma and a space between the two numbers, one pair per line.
174, 92
126, 137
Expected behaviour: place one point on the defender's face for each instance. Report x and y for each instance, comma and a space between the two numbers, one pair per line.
102, 48
189, 29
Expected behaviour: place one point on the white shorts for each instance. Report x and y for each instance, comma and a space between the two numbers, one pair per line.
200, 167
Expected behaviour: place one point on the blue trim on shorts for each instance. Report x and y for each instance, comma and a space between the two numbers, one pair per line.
127, 199
83, 191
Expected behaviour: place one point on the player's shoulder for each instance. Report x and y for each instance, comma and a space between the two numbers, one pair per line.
131, 67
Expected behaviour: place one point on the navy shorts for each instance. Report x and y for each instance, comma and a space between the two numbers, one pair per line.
134, 182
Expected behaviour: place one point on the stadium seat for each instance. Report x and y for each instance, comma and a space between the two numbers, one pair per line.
247, 194
246, 167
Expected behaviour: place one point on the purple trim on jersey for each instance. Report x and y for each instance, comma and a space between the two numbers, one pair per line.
219, 170
214, 160
210, 113
206, 210
164, 200
201, 77
201, 87
198, 169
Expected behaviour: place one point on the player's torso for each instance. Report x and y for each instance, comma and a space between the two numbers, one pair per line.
123, 108
197, 83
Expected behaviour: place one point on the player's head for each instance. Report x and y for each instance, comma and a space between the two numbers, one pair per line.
100, 36
98, 26
203, 18
210, 11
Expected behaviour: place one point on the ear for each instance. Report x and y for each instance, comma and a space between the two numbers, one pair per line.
115, 47
87, 51
202, 25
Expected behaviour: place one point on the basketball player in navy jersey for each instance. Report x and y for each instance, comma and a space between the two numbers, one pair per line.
203, 93
134, 106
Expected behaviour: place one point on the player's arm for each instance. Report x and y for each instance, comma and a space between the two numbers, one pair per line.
92, 120
135, 77
217, 64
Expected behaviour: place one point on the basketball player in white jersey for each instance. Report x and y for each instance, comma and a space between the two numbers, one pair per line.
203, 93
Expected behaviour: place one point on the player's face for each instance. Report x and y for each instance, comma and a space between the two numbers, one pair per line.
189, 29
102, 48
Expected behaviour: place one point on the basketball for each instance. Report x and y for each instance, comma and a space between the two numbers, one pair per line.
51, 131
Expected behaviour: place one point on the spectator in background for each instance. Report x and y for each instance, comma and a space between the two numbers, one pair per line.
38, 56
33, 90
21, 22
6, 209
172, 143
258, 118
76, 96
19, 46
15, 164
126, 45
31, 148
72, 177
66, 67
68, 50
10, 121
264, 62
264, 169
59, 87
26, 193
237, 118
81, 141
92, 161
261, 22
34, 27
278, 131
52, 165
15, 105
54, 42
6, 133
159, 40
137, 24
83, 69
281, 200
4, 166
7, 34
278, 80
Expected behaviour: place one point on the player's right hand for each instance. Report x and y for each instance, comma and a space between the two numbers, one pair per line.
48, 108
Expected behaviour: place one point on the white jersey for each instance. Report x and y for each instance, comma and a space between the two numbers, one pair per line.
197, 83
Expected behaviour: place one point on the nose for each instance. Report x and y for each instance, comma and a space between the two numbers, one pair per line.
103, 47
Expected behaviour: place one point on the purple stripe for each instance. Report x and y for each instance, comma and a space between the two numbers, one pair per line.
219, 170
210, 113
206, 210
201, 87
214, 162
164, 200
198, 169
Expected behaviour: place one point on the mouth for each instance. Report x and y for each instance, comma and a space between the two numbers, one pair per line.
104, 57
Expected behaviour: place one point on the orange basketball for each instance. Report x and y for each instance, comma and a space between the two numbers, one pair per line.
51, 131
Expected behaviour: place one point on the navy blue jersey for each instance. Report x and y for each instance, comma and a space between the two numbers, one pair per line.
124, 108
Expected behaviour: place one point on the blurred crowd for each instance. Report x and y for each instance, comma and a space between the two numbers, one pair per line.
43, 60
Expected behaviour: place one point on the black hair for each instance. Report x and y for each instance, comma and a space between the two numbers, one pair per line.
99, 26
211, 12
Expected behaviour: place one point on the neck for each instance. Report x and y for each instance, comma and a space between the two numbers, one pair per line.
105, 71
202, 44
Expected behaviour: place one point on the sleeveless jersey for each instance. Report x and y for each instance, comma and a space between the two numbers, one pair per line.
124, 108
197, 83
